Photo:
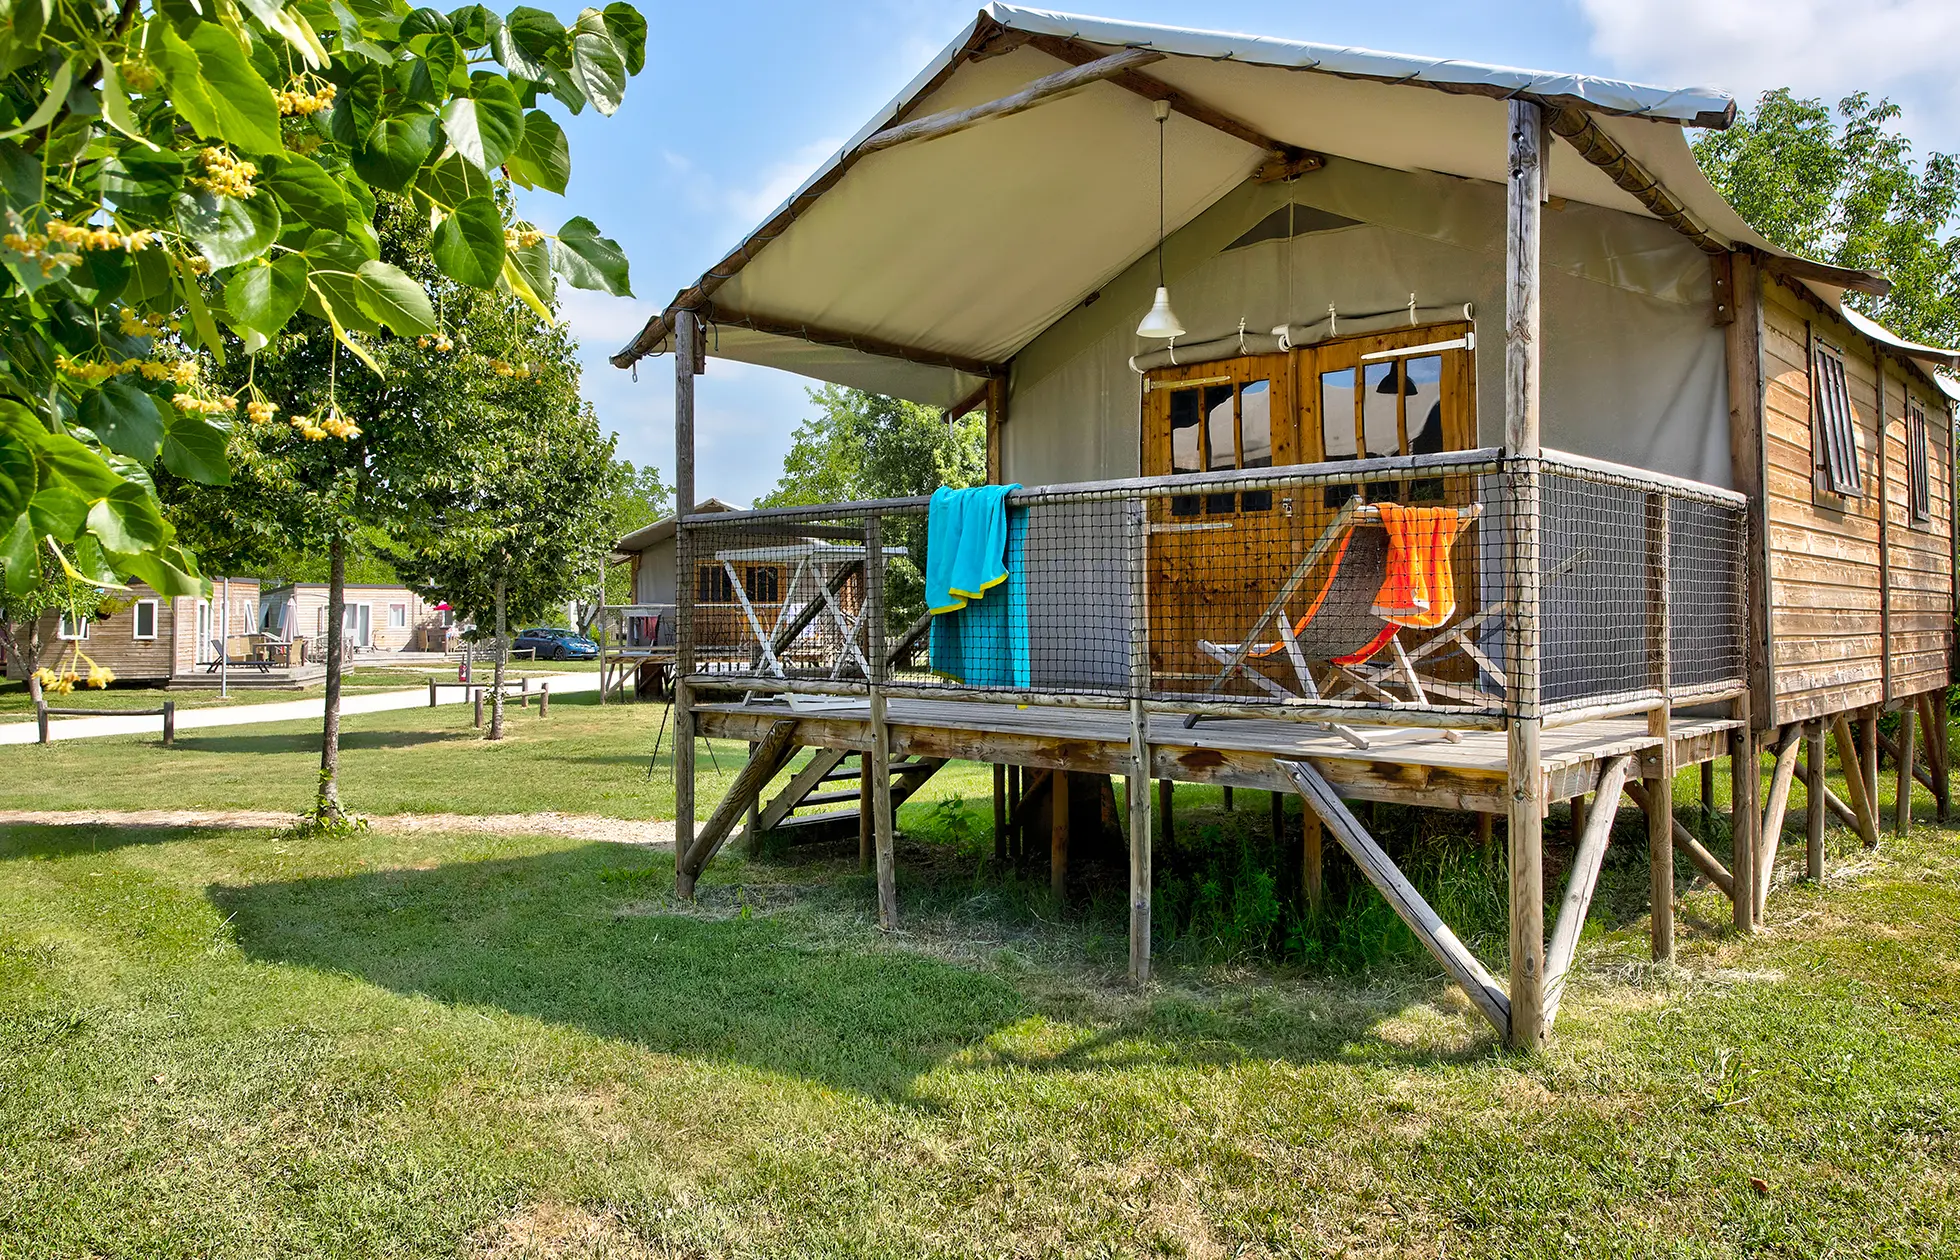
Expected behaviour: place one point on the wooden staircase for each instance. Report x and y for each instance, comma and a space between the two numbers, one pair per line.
798, 812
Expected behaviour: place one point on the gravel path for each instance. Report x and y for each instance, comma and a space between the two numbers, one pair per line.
653, 832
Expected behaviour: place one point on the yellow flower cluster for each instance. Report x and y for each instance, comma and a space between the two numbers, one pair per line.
134, 325
331, 426
35, 245
440, 343
177, 372
517, 370
259, 411
224, 174
82, 236
63, 681
522, 238
140, 75
305, 103
191, 404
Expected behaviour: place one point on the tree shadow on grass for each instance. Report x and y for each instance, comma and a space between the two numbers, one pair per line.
309, 741
588, 938
65, 840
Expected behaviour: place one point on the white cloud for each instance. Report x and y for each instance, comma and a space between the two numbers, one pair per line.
1822, 48
777, 181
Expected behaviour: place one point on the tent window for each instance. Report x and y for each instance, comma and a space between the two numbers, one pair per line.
1290, 221
763, 582
1919, 480
1834, 428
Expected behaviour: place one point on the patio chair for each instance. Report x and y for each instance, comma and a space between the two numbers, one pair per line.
1342, 626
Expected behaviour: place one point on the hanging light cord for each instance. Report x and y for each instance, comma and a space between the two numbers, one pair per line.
1162, 114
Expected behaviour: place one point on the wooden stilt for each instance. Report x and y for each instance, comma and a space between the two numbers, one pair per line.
1938, 739
1136, 794
867, 826
1166, 796
1902, 801
1312, 873
883, 833
1016, 849
1580, 808
1000, 814
1278, 807
1228, 799
1486, 829
1788, 743
1813, 808
1058, 836
1868, 747
687, 333
1428, 927
1863, 808
1707, 798
1660, 848
1745, 781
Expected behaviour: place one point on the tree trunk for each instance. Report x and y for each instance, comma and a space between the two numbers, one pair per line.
497, 688
327, 806
25, 643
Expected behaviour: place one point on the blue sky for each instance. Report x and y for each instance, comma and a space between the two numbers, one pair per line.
742, 99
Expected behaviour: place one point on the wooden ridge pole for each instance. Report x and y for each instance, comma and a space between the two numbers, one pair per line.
1042, 90
687, 333
1524, 1024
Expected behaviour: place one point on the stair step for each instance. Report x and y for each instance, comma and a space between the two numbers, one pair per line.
842, 773
828, 798
816, 828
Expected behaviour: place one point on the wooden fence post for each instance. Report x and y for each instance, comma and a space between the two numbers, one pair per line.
476, 696
169, 723
544, 699
432, 693
41, 719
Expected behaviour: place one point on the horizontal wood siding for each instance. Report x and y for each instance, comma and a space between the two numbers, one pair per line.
1920, 552
1825, 615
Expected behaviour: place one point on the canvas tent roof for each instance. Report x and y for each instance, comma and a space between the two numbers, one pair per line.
918, 270
661, 530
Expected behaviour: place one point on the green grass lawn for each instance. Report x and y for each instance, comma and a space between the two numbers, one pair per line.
237, 1044
15, 706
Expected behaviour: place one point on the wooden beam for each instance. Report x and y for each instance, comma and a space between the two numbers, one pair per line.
1136, 795
1285, 160
1047, 88
968, 403
1824, 273
686, 331
1577, 128
1813, 809
1524, 206
1580, 884
1428, 927
1902, 801
816, 334
1884, 534
771, 752
1745, 793
1748, 471
1788, 744
1707, 863
1864, 815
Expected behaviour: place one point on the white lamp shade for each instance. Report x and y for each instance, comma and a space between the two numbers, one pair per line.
1162, 321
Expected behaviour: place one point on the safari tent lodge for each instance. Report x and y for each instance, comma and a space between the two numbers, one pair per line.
1482, 458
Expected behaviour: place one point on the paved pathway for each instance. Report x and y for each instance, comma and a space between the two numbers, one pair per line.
313, 707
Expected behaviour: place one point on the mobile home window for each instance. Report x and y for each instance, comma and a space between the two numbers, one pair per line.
1919, 478
71, 629
144, 626
397, 616
1834, 430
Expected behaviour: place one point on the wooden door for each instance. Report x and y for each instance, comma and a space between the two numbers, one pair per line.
1215, 558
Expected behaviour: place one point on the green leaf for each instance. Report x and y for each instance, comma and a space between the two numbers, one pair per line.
424, 22
543, 158
360, 92
194, 449
472, 23
16, 476
64, 78
142, 182
290, 24
159, 573
17, 556
519, 274
469, 244
597, 66
20, 174
540, 36
247, 117
202, 325
629, 32
263, 299
486, 125
115, 104
452, 181
590, 261
334, 284
68, 462
58, 510
149, 278
127, 521
429, 81
306, 189
125, 419
395, 150
389, 296
229, 230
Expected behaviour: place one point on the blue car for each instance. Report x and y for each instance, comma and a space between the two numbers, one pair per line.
557, 645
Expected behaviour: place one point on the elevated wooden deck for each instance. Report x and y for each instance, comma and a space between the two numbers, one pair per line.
1402, 765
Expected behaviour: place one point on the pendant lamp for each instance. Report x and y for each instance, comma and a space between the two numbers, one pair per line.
1162, 321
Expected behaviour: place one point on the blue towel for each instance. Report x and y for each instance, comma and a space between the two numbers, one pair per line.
981, 639
966, 545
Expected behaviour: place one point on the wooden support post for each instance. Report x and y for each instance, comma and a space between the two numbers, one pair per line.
1863, 808
544, 699
1486, 829
1745, 782
776, 747
1166, 798
1660, 809
1788, 744
1902, 802
687, 338
1228, 799
1813, 808
1017, 847
866, 827
169, 723
1707, 797
1868, 751
524, 693
432, 693
1278, 811
1584, 879
751, 832
883, 834
1937, 742
1524, 1021
476, 698
1313, 871
1058, 836
1136, 795
1000, 813
1428, 927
